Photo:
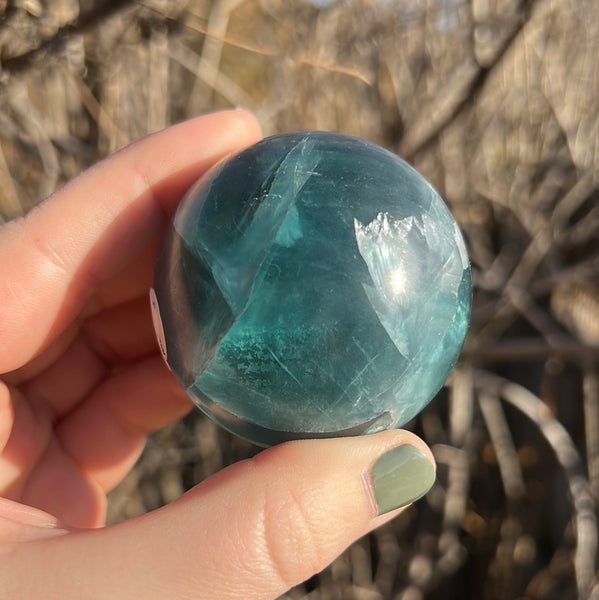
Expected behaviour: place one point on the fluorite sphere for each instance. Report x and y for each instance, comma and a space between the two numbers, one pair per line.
313, 285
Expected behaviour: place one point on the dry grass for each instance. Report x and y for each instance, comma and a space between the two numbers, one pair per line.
496, 102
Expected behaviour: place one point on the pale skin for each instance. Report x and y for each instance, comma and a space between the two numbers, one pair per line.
82, 384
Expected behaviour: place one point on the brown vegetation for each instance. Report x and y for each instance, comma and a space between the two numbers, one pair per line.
497, 103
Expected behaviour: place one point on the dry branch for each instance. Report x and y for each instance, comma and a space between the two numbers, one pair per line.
85, 22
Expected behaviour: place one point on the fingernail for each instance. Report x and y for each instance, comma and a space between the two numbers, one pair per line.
400, 476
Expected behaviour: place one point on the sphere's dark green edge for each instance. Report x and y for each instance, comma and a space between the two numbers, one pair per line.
262, 436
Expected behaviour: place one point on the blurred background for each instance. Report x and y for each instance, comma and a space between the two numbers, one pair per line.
496, 102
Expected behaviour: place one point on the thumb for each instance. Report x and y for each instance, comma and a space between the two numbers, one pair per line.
250, 532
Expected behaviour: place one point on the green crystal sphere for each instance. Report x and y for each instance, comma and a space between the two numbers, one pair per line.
313, 285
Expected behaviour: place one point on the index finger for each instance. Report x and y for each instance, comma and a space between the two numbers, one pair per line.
54, 257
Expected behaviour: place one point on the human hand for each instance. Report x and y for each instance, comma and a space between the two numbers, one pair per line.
82, 384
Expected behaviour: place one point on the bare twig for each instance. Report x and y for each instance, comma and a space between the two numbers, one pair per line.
569, 459
11, 205
576, 305
461, 405
591, 421
99, 114
33, 124
218, 23
445, 108
205, 72
528, 349
86, 21
578, 194
499, 432
451, 552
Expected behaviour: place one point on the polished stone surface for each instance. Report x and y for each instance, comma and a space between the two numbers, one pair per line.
313, 285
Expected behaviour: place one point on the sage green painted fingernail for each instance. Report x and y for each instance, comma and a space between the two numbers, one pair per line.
400, 476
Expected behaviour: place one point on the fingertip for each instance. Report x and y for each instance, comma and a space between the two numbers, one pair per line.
248, 123
400, 476
397, 437
397, 466
229, 130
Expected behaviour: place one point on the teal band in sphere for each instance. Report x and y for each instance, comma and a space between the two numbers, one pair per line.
313, 285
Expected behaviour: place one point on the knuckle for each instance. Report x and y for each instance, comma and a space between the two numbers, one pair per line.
292, 531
